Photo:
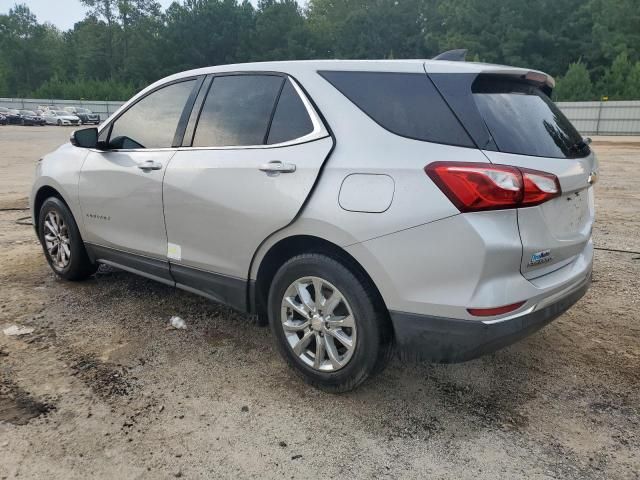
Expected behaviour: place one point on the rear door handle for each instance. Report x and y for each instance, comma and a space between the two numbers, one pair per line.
150, 165
277, 167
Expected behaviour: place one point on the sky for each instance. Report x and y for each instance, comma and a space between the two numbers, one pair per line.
62, 13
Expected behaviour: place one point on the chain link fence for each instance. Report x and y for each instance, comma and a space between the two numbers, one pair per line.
590, 118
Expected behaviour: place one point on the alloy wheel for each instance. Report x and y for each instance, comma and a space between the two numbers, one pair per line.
318, 324
57, 240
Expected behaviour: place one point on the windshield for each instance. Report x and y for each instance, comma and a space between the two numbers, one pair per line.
523, 120
83, 110
27, 112
62, 113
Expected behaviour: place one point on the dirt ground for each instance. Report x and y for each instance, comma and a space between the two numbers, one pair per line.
101, 389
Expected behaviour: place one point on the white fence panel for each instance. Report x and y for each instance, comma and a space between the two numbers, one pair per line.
604, 118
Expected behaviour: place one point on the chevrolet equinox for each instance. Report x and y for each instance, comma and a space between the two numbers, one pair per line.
438, 208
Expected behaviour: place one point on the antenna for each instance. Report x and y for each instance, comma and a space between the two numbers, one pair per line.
458, 55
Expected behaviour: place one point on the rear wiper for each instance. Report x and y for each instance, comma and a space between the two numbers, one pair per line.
579, 145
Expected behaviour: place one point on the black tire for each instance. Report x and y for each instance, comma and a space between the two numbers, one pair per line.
374, 340
79, 266
59, 123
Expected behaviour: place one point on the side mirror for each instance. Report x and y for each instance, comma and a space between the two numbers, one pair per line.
85, 138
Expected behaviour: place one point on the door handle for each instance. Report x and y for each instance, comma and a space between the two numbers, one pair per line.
150, 165
277, 167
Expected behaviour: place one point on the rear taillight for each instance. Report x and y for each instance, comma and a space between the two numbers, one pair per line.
539, 187
474, 187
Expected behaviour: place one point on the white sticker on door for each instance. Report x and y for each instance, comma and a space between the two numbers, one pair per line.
174, 252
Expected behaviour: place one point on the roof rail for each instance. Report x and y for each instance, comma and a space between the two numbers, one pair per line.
459, 55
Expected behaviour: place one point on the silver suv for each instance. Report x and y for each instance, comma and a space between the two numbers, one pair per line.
442, 208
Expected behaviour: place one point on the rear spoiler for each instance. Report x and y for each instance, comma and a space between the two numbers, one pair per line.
541, 79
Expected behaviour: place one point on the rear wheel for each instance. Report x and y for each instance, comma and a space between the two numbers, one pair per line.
61, 241
328, 326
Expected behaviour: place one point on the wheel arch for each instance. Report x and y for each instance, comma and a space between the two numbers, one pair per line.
287, 248
44, 192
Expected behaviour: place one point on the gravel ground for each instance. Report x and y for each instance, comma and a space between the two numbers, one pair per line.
102, 389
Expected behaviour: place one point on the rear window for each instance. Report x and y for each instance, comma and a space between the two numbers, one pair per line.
406, 104
523, 120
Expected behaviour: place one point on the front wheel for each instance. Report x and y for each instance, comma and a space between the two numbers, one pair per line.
328, 324
61, 241
59, 123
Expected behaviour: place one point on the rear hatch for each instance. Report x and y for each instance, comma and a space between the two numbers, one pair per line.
513, 121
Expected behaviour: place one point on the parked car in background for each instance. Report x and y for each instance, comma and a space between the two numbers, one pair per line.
86, 116
45, 108
30, 117
445, 208
13, 116
60, 118
3, 119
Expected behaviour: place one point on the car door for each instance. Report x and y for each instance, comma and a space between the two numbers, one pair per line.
245, 173
120, 187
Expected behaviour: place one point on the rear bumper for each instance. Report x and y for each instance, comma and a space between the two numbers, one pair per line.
449, 340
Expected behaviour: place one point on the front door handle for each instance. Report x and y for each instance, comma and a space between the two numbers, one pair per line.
276, 168
150, 165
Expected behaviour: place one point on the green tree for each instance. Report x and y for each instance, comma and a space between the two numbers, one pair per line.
198, 33
88, 44
575, 85
26, 49
106, 10
632, 90
280, 32
614, 82
616, 30
545, 34
368, 29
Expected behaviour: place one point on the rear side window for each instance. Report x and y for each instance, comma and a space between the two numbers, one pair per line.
406, 104
523, 120
237, 111
291, 119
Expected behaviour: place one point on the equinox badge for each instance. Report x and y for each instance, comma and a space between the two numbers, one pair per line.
540, 257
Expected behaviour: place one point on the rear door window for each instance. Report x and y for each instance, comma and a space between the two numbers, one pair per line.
523, 120
237, 111
406, 104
